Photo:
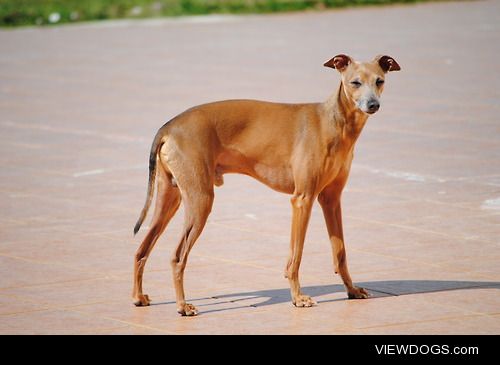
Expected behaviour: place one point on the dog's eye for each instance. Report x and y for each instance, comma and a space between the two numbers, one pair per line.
380, 82
356, 83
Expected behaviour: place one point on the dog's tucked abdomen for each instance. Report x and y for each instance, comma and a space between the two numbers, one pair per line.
227, 137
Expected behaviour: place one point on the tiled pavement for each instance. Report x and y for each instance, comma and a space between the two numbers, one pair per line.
79, 106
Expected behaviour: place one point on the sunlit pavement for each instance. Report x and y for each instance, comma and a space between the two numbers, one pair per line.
79, 106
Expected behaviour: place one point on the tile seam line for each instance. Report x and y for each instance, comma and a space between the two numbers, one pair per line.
20, 258
48, 307
236, 262
439, 136
397, 258
410, 228
120, 321
424, 321
385, 173
482, 286
250, 264
52, 307
71, 309
117, 278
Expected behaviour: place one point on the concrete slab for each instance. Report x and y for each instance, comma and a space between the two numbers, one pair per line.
79, 108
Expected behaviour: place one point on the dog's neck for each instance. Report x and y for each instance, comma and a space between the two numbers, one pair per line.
343, 113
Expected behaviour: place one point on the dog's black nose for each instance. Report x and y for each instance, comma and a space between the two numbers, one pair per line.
373, 106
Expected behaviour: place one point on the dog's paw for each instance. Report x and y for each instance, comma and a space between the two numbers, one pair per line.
357, 293
302, 301
142, 301
188, 310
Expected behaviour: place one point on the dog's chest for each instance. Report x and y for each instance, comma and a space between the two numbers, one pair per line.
337, 164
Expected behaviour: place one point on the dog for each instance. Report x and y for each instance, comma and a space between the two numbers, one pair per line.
304, 150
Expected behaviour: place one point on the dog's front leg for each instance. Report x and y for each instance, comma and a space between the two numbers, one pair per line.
301, 206
329, 200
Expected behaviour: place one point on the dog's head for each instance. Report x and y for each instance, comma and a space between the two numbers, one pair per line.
363, 82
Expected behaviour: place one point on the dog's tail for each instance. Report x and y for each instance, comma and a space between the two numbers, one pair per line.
153, 156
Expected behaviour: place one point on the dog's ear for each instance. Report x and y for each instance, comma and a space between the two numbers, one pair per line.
339, 62
387, 63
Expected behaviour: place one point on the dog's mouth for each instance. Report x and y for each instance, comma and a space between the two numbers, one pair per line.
368, 111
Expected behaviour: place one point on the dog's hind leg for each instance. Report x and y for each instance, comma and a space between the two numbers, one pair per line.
198, 199
167, 203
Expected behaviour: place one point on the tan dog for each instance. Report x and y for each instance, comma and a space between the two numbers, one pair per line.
300, 149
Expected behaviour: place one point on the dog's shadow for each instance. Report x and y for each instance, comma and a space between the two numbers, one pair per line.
375, 288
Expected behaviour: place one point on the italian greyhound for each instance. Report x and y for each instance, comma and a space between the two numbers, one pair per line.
304, 150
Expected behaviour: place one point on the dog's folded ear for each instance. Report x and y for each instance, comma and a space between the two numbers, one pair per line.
339, 62
387, 63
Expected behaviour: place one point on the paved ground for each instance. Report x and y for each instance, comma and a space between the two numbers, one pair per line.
79, 106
